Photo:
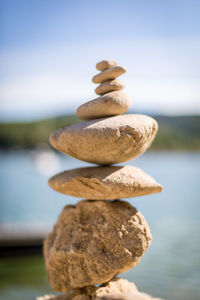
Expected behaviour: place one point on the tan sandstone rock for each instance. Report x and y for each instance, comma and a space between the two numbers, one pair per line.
105, 64
108, 140
83, 296
92, 242
117, 288
109, 86
108, 74
98, 183
113, 103
128, 296
79, 295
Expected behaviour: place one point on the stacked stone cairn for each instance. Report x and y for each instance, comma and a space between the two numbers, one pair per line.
103, 236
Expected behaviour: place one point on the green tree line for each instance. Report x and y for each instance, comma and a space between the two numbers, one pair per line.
175, 133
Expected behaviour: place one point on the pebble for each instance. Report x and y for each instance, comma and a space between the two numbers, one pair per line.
105, 64
85, 249
108, 74
113, 103
105, 183
109, 86
108, 140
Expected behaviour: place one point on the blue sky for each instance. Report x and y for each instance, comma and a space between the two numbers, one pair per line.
48, 52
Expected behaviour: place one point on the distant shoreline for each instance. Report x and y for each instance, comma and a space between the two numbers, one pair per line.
180, 133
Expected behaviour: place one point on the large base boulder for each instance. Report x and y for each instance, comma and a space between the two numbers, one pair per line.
94, 241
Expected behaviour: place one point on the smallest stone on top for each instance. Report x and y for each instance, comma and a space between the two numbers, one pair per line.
112, 101
106, 64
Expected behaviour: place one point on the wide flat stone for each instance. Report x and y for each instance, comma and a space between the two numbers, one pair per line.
108, 140
113, 103
92, 242
105, 64
105, 183
108, 74
109, 86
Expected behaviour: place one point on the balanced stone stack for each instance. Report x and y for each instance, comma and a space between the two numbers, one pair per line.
97, 239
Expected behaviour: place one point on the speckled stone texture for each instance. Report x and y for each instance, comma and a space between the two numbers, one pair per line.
117, 288
108, 140
128, 296
92, 242
105, 64
109, 86
105, 183
108, 74
113, 103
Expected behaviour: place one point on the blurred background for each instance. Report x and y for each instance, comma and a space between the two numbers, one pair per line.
48, 52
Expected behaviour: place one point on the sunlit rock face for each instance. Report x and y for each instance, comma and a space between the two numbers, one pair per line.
110, 104
117, 288
108, 140
92, 242
105, 183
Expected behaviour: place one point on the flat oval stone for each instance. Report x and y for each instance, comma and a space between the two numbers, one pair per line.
108, 74
94, 241
105, 64
108, 140
109, 86
113, 103
105, 183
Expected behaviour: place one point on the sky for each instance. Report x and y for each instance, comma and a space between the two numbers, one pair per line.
49, 49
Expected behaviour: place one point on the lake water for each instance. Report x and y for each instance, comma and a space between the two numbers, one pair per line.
170, 268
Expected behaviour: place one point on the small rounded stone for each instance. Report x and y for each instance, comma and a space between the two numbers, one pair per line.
92, 242
108, 140
105, 64
105, 183
115, 286
108, 74
113, 103
109, 86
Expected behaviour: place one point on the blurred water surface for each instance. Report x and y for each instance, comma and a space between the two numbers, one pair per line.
170, 268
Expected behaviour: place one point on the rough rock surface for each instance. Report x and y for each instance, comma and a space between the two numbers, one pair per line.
105, 64
113, 103
108, 140
109, 86
105, 183
128, 296
83, 296
108, 74
117, 288
92, 242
